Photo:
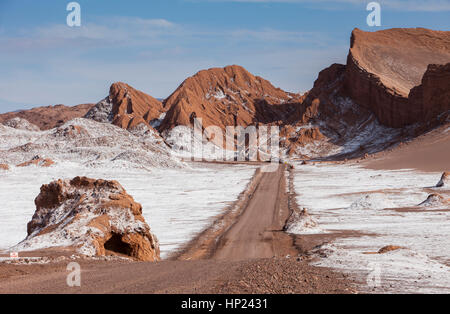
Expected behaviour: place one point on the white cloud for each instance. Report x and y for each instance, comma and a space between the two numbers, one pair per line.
401, 5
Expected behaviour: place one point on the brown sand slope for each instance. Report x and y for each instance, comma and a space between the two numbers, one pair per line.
49, 117
429, 152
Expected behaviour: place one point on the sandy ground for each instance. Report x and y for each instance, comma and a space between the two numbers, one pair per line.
429, 152
278, 275
250, 254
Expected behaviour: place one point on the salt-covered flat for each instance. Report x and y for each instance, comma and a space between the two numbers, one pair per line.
177, 203
382, 206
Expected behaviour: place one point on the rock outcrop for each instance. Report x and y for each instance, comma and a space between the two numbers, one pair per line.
37, 161
48, 117
4, 167
434, 200
227, 96
95, 217
445, 180
300, 222
127, 107
389, 248
384, 66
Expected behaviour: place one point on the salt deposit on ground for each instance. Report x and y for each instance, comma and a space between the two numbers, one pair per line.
177, 203
87, 142
381, 205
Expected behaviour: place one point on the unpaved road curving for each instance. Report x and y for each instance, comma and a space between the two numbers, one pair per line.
247, 256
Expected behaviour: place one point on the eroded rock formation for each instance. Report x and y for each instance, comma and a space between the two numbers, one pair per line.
445, 180
127, 107
384, 66
96, 217
227, 96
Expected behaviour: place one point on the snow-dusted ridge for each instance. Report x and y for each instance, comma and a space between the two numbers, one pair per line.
90, 143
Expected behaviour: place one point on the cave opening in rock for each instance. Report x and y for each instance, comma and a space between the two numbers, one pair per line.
116, 245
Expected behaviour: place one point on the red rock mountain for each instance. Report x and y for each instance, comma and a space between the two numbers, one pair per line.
126, 107
132, 107
384, 66
227, 97
48, 117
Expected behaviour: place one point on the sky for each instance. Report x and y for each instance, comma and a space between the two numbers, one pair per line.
154, 45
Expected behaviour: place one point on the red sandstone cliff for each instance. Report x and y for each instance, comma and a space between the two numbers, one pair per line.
383, 66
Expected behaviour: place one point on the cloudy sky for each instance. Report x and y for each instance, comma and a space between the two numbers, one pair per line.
154, 45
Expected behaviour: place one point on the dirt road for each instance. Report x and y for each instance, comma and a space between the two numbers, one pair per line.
258, 233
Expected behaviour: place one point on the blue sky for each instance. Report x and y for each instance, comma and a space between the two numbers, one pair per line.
154, 45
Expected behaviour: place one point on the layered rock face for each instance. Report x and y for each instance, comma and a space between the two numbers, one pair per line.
96, 217
383, 67
227, 96
46, 118
433, 95
127, 107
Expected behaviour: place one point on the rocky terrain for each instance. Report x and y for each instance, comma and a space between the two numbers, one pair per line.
46, 118
227, 97
394, 95
95, 217
86, 142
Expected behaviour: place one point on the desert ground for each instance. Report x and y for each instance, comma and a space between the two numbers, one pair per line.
248, 250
